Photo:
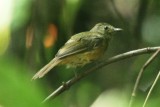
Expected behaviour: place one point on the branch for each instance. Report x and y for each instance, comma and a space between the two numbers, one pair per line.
139, 76
150, 90
113, 59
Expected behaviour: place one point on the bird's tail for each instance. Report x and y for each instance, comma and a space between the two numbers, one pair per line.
46, 68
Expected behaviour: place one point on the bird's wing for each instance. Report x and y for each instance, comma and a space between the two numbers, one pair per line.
80, 43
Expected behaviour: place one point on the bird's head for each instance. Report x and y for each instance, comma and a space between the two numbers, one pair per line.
105, 29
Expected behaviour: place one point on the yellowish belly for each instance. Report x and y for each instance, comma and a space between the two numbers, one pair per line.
83, 58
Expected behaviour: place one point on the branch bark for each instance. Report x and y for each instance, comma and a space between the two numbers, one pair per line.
103, 63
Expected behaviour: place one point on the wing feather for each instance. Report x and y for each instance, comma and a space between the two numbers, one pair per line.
80, 43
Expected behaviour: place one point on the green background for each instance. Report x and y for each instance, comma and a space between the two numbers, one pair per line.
23, 51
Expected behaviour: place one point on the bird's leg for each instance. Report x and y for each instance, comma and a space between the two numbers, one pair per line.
77, 70
75, 73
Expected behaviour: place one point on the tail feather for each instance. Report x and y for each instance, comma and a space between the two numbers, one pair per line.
46, 68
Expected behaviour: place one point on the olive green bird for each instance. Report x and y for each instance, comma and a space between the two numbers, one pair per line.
82, 48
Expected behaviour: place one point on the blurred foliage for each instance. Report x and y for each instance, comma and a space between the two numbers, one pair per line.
16, 89
31, 32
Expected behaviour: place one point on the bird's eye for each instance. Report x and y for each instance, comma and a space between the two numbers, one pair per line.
106, 28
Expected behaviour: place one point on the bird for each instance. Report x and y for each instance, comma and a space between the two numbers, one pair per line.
82, 48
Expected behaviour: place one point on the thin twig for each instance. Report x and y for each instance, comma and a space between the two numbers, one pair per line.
150, 90
116, 58
139, 76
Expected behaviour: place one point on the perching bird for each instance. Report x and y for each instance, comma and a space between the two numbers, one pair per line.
81, 48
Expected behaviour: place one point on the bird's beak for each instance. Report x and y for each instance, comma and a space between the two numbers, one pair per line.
118, 29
